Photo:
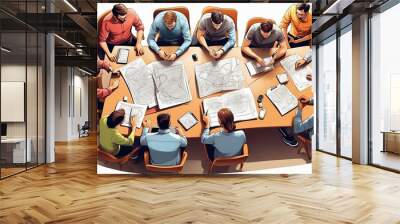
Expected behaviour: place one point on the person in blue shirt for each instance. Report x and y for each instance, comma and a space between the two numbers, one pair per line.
304, 128
227, 142
164, 146
216, 29
173, 30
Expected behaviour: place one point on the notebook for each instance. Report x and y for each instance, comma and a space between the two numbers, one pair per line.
282, 98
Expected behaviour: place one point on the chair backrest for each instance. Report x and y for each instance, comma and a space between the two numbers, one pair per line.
111, 158
306, 142
181, 9
227, 161
255, 20
155, 168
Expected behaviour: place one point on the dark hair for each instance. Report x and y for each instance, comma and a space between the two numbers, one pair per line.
303, 7
217, 17
119, 9
163, 121
227, 120
115, 118
266, 26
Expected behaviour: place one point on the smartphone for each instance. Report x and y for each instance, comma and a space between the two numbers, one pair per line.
194, 57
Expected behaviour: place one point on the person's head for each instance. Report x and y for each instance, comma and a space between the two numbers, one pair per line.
216, 19
170, 19
302, 10
120, 11
115, 118
163, 121
226, 119
266, 29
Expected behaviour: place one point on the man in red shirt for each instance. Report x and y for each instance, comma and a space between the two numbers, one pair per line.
116, 29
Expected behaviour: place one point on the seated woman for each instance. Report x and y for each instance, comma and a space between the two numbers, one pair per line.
227, 142
111, 140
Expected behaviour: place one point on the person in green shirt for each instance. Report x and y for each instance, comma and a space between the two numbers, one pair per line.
111, 140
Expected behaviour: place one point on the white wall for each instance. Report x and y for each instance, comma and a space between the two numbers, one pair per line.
245, 12
67, 80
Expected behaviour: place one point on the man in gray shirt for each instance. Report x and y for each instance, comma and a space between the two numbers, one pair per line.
216, 29
264, 35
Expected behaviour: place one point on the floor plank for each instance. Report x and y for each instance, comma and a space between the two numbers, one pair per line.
70, 191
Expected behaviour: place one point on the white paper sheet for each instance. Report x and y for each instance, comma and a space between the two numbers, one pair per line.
240, 102
217, 76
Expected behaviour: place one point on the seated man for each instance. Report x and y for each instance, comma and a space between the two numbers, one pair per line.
173, 30
164, 147
304, 128
264, 35
227, 142
115, 29
300, 20
111, 140
216, 29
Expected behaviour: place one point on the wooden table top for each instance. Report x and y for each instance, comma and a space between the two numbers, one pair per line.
258, 85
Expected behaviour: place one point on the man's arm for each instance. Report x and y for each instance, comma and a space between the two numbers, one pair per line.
281, 50
152, 35
231, 39
286, 20
248, 51
202, 40
186, 37
143, 140
121, 140
305, 38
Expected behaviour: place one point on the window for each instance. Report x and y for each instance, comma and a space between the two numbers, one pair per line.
385, 89
327, 95
346, 72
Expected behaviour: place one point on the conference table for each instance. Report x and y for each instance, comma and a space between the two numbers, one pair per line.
258, 85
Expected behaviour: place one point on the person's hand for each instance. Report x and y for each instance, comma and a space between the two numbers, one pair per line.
309, 77
179, 131
147, 123
299, 63
218, 53
261, 62
206, 120
139, 49
162, 55
114, 85
133, 122
300, 105
112, 57
172, 57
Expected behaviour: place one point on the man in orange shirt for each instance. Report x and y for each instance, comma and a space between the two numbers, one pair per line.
115, 29
300, 20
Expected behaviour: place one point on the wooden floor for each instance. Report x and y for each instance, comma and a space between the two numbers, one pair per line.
70, 191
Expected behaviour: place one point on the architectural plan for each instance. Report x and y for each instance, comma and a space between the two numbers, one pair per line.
139, 78
282, 98
240, 102
172, 87
254, 68
132, 110
298, 76
216, 76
